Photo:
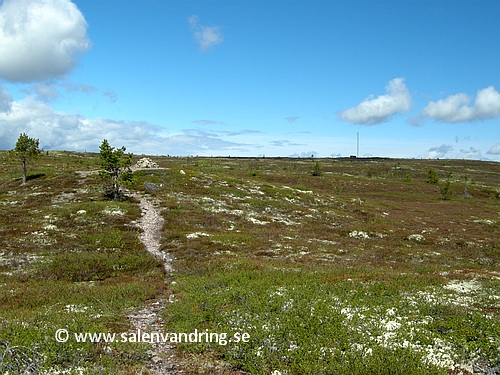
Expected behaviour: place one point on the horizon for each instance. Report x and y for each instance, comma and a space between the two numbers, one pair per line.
286, 78
311, 157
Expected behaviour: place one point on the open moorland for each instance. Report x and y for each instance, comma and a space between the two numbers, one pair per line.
330, 266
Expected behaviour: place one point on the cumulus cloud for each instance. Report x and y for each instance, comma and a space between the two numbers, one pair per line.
494, 150
62, 131
40, 39
439, 152
5, 100
457, 108
206, 36
373, 111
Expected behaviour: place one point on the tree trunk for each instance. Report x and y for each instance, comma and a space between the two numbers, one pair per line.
116, 191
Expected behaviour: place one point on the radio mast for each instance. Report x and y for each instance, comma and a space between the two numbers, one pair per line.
357, 145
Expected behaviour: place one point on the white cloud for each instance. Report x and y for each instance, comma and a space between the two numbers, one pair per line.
494, 150
206, 36
62, 131
40, 39
5, 100
439, 152
373, 111
472, 153
457, 108
48, 91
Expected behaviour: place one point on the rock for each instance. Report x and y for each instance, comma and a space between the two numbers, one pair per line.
359, 235
416, 238
151, 187
146, 163
170, 366
156, 360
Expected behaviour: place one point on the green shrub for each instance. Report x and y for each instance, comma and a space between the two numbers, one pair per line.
433, 177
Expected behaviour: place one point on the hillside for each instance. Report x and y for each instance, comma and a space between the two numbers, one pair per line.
364, 268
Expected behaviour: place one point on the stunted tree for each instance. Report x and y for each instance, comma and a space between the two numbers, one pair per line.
115, 164
317, 170
26, 149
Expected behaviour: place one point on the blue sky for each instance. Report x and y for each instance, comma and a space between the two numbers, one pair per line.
252, 77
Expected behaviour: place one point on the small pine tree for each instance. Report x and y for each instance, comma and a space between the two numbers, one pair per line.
317, 170
26, 149
433, 177
115, 164
446, 190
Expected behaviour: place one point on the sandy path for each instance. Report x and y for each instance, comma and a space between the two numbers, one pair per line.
151, 223
148, 319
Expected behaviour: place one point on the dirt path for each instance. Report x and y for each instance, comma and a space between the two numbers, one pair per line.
151, 223
148, 319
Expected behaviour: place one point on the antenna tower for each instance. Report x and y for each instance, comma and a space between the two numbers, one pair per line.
357, 145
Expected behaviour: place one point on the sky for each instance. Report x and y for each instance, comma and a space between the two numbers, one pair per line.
291, 78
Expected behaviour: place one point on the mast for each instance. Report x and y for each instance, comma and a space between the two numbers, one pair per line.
357, 145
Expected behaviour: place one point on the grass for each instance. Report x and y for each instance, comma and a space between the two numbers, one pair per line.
69, 260
316, 320
363, 269
279, 260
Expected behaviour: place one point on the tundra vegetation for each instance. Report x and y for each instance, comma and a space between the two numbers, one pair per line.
341, 273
